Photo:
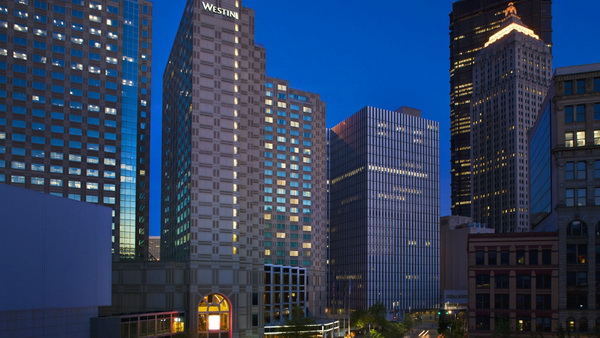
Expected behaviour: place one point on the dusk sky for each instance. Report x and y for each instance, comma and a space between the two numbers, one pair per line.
387, 54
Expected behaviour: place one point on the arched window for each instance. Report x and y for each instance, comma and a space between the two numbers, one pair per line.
570, 324
583, 325
577, 229
214, 317
598, 231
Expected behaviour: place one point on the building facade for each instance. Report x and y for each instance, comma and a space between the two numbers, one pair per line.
384, 206
472, 22
513, 284
511, 76
572, 190
75, 106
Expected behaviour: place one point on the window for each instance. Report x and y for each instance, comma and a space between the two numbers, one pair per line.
482, 323
533, 257
577, 300
597, 84
524, 301
570, 197
569, 139
546, 257
482, 281
568, 88
576, 253
577, 229
581, 170
504, 257
596, 196
580, 139
523, 282
543, 281
580, 117
543, 302
501, 281
580, 86
577, 278
482, 301
581, 200
520, 257
596, 111
597, 137
597, 169
501, 301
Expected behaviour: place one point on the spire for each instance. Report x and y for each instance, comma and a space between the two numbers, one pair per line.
511, 10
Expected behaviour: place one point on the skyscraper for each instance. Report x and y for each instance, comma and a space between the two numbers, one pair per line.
75, 106
472, 22
384, 201
511, 76
213, 103
294, 189
244, 183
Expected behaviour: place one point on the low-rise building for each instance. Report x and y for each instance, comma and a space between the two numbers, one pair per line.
513, 284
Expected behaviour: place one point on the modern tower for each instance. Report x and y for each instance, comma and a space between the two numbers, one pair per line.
384, 206
511, 76
472, 22
294, 192
75, 106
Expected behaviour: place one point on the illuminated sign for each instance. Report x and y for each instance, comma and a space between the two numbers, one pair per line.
220, 10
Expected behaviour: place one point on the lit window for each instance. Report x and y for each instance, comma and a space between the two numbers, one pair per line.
569, 139
281, 235
580, 138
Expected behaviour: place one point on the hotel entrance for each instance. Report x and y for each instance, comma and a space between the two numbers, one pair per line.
214, 317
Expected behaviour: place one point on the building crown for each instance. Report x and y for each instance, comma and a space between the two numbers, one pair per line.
512, 22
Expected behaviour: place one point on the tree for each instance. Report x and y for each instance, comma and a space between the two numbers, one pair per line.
375, 334
502, 328
394, 330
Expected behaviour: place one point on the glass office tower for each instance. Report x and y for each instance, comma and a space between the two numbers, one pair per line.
472, 22
384, 211
75, 106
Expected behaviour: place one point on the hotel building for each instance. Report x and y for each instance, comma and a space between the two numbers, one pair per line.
384, 206
75, 106
244, 183
472, 22
511, 76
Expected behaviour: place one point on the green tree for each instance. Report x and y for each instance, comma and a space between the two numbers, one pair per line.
376, 334
394, 330
502, 328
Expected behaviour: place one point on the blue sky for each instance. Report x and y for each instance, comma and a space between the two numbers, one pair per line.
386, 53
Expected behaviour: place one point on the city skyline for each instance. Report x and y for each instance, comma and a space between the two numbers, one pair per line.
343, 87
